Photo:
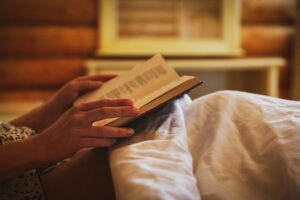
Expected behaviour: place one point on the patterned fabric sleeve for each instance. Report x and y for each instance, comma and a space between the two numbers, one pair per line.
27, 185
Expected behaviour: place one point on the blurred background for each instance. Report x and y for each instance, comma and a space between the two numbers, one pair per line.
247, 45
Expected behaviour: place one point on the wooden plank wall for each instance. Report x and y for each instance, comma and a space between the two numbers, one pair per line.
295, 94
268, 28
43, 44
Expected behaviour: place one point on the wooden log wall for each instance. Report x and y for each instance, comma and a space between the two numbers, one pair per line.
43, 44
268, 29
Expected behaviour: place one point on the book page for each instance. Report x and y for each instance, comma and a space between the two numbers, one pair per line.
150, 97
162, 90
136, 83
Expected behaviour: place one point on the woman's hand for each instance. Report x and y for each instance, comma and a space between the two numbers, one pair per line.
65, 97
71, 132
41, 117
74, 131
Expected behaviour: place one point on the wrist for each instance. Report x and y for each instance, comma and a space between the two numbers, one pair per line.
52, 109
41, 154
59, 102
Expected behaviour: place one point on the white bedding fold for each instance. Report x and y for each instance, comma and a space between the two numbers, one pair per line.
245, 146
227, 145
155, 163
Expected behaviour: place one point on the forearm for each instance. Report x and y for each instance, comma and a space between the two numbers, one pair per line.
38, 118
20, 156
81, 177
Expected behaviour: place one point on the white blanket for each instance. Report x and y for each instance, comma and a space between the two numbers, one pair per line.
155, 163
243, 146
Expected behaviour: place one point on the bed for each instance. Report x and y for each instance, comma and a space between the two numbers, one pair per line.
227, 145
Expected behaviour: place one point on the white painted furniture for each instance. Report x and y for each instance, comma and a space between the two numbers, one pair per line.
112, 43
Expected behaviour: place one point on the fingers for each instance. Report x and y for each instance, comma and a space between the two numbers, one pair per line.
98, 77
109, 132
105, 103
111, 112
104, 136
96, 142
87, 85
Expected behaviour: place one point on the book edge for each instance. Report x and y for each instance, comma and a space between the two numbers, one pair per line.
190, 84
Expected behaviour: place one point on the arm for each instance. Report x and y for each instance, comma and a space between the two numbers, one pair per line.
86, 176
38, 118
17, 157
67, 135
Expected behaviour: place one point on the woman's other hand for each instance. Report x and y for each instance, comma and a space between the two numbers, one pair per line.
41, 117
74, 131
66, 96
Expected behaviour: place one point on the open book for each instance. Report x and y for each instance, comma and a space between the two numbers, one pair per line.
149, 85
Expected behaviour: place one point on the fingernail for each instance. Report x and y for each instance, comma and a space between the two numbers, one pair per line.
130, 131
135, 110
130, 101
